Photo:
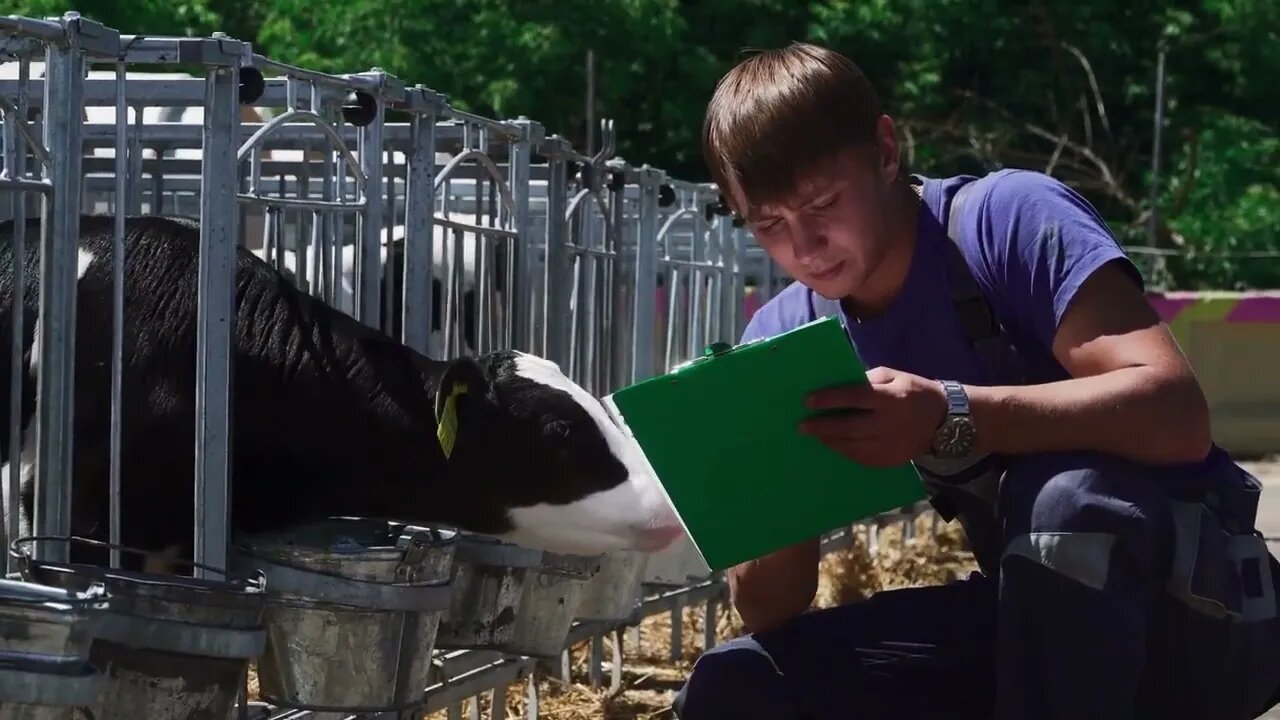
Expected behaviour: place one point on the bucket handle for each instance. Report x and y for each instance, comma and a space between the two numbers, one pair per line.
94, 594
25, 560
327, 587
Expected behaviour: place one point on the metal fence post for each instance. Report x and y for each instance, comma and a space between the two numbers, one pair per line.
420, 196
646, 278
619, 363
216, 305
699, 239
559, 273
731, 286
368, 277
521, 157
59, 241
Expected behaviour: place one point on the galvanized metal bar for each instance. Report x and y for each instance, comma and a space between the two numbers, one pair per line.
23, 185
135, 163
361, 81
482, 282
498, 708
117, 314
42, 30
419, 242
697, 297
15, 157
588, 302
171, 92
396, 135
646, 274
731, 294
521, 158
616, 322
498, 673
58, 250
16, 119
595, 658
558, 271
281, 202
215, 317
369, 267
464, 118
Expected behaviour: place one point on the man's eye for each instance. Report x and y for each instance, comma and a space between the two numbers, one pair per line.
824, 204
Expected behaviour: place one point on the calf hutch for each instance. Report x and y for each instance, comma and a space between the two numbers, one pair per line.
301, 371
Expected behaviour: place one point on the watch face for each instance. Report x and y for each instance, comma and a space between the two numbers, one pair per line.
956, 437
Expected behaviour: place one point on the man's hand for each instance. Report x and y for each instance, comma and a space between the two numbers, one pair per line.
889, 421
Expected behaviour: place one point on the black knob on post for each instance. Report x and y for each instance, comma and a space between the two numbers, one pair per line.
252, 85
666, 195
359, 108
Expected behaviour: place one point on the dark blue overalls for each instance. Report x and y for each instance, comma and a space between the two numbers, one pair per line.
1109, 589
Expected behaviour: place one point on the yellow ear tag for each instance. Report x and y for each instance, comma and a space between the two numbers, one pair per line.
447, 422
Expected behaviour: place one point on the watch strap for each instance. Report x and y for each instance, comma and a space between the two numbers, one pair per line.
957, 398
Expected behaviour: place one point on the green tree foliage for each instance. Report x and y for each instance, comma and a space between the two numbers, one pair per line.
1067, 88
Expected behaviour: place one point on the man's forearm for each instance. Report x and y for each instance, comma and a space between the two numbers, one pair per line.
1133, 412
769, 591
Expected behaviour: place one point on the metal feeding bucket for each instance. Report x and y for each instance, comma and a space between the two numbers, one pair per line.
353, 610
45, 639
172, 647
614, 593
488, 584
549, 603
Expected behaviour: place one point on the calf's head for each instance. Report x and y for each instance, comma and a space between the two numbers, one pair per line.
542, 463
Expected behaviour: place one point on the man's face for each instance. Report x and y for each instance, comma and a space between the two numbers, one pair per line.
832, 233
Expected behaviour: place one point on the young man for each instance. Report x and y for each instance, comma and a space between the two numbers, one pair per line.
1017, 360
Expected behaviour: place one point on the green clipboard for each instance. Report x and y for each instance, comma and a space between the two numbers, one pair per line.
721, 435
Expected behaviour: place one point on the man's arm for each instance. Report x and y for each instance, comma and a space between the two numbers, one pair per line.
1053, 271
1132, 392
1057, 270
769, 591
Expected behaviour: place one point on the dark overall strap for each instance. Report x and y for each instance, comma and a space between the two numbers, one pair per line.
981, 326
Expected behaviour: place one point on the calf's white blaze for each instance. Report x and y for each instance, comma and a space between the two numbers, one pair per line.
84, 259
27, 457
632, 514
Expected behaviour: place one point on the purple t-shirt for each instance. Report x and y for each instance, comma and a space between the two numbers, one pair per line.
1030, 242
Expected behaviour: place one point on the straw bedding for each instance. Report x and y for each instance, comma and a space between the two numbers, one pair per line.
650, 678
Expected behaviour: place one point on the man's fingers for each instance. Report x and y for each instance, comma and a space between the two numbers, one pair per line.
880, 375
847, 396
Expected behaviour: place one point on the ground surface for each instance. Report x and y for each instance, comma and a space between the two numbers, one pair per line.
650, 677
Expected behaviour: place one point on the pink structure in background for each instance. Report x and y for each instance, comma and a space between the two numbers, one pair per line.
1175, 308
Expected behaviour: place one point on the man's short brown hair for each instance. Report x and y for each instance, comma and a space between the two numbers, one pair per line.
780, 112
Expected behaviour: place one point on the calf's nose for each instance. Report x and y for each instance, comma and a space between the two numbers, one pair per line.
658, 538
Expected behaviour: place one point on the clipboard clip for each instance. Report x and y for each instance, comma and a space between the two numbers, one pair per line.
714, 350
717, 349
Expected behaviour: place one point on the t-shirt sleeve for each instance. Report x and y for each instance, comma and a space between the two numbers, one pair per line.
784, 311
1041, 240
764, 323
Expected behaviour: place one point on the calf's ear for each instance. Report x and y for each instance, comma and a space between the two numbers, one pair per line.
462, 385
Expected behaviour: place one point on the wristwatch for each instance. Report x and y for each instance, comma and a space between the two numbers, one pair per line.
955, 437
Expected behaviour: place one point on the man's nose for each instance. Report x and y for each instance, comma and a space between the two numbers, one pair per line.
808, 238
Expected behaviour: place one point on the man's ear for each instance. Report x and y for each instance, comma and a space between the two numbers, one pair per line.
888, 158
462, 385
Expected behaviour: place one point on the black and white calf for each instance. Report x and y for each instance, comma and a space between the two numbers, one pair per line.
330, 417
